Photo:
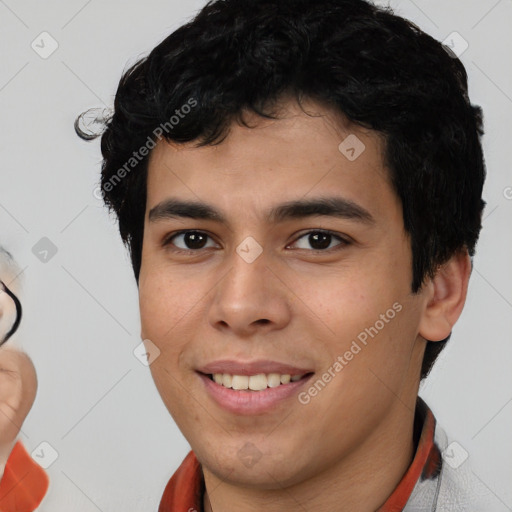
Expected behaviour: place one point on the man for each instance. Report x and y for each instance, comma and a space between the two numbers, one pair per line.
299, 185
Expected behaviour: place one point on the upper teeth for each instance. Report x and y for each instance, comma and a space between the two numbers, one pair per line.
253, 382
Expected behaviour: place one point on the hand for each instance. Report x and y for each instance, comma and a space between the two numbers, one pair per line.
18, 388
18, 380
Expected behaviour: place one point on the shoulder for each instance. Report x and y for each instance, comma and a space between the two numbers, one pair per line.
455, 487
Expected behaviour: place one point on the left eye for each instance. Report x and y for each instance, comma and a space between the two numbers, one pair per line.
196, 240
321, 240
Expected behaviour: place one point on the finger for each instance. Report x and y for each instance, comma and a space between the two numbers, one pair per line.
18, 388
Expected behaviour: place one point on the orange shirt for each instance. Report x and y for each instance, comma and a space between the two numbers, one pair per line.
24, 482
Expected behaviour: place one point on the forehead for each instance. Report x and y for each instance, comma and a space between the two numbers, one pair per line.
269, 161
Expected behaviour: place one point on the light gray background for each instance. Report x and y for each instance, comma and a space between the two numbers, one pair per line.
96, 403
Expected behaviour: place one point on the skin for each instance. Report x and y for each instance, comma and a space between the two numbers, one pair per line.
209, 303
18, 387
18, 379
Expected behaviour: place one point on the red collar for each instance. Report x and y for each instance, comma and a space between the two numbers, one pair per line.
184, 491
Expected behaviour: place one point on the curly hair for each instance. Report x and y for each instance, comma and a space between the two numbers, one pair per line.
377, 69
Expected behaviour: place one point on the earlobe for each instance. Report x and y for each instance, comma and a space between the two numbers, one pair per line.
446, 296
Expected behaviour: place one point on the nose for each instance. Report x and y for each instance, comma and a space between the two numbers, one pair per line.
250, 298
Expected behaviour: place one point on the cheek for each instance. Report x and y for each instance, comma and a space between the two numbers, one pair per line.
351, 301
161, 305
170, 305
371, 317
151, 306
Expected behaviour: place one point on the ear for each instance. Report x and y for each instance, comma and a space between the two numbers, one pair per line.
446, 295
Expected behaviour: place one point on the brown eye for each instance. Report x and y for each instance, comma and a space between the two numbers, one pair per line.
321, 241
188, 240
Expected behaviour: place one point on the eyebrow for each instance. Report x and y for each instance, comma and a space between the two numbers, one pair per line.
323, 206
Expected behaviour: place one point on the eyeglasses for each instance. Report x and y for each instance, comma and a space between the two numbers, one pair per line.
17, 303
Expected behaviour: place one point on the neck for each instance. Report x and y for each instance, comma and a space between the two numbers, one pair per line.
362, 481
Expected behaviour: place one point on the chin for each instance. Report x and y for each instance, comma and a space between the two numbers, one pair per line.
243, 464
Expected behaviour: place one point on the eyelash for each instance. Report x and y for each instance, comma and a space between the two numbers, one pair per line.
344, 242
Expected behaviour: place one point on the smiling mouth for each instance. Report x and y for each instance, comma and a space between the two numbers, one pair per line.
258, 382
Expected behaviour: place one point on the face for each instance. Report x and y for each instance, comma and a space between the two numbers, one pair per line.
262, 281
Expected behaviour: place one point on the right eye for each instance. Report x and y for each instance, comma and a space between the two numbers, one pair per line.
192, 241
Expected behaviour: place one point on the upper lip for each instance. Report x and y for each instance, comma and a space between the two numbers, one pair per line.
233, 367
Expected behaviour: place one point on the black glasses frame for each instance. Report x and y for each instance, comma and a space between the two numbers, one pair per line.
19, 312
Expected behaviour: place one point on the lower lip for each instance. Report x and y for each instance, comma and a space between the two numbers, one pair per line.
251, 402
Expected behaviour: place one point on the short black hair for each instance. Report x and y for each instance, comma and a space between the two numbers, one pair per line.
377, 69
